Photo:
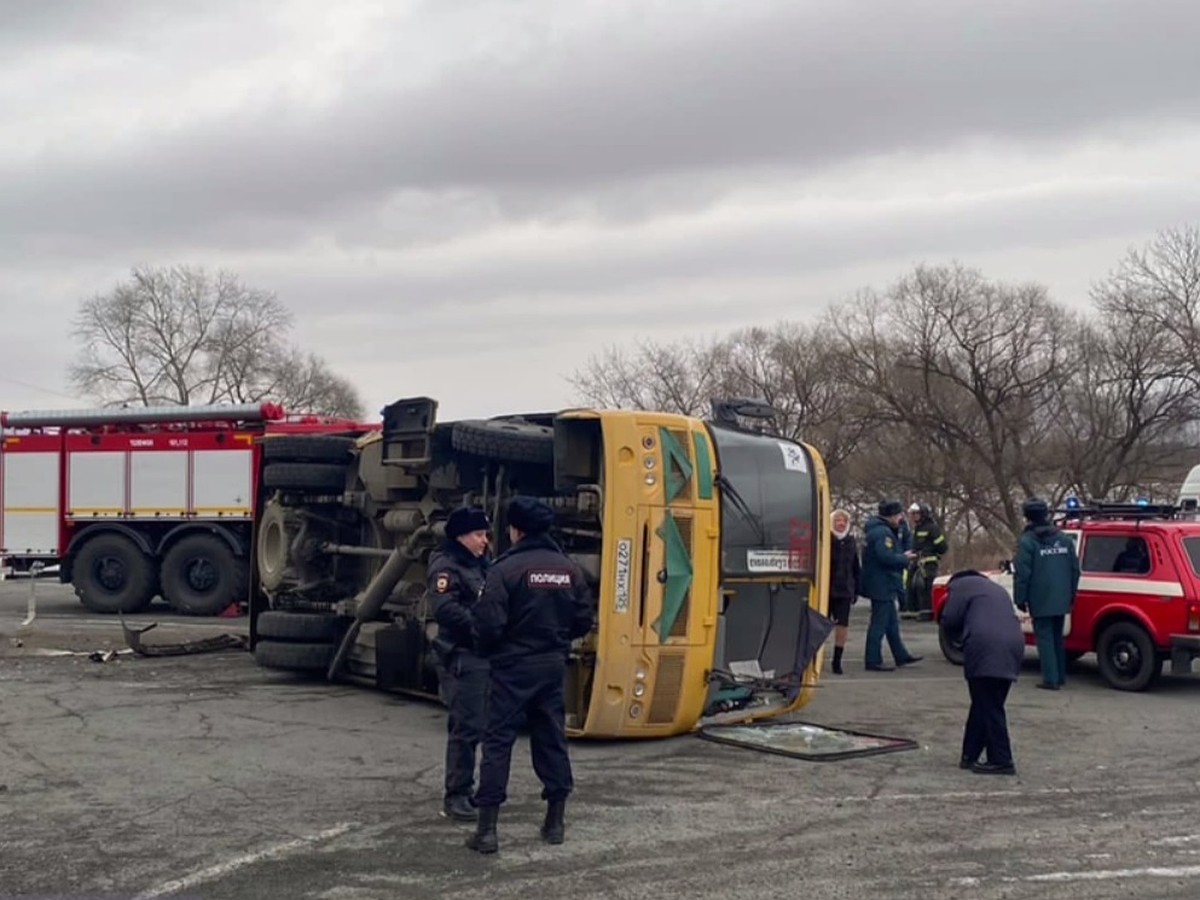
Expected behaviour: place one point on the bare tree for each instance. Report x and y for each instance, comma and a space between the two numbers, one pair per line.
964, 367
965, 393
679, 378
185, 336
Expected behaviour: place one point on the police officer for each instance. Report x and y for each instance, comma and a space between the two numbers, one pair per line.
535, 601
456, 574
929, 543
1045, 580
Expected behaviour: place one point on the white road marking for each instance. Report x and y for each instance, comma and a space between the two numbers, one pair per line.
238, 862
1175, 841
1092, 875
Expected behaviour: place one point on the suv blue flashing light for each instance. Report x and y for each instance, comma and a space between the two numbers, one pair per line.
1143, 501
1072, 503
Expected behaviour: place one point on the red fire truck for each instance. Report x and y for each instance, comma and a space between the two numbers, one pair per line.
134, 503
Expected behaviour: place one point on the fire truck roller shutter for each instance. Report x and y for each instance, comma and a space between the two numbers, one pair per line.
112, 573
202, 575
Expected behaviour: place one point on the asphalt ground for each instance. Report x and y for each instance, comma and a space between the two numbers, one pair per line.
208, 777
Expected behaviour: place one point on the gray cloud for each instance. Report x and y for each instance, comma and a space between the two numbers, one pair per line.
788, 85
457, 180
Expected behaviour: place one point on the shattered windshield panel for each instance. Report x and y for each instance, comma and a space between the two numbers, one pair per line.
766, 504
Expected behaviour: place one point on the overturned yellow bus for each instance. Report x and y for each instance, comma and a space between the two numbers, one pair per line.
706, 543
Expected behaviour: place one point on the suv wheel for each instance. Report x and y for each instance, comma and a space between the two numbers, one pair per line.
951, 649
1127, 658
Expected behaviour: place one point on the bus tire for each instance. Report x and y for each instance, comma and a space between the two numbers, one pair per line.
112, 575
307, 448
305, 477
294, 657
201, 576
309, 628
505, 440
1127, 658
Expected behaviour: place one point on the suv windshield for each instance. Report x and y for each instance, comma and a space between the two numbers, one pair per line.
767, 489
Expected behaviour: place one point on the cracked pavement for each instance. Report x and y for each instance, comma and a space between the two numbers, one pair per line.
209, 777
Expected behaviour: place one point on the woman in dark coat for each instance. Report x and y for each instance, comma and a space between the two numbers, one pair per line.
845, 582
980, 614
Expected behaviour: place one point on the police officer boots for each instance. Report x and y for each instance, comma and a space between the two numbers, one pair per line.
484, 839
554, 829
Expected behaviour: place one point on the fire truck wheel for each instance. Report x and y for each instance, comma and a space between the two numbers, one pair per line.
307, 448
112, 575
503, 439
294, 657
201, 576
277, 625
305, 477
1127, 658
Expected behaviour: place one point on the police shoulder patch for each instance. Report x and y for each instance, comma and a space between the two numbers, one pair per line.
889, 543
442, 583
553, 579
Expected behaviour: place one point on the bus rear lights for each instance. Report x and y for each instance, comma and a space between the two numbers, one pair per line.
639, 689
635, 710
651, 480
1193, 617
641, 673
649, 462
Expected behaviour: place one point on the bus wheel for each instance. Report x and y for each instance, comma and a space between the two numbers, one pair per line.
307, 448
112, 575
1128, 661
951, 649
294, 657
504, 440
277, 625
201, 576
320, 477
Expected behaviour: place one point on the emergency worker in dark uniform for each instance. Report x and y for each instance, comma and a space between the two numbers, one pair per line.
1045, 580
929, 543
456, 573
883, 565
535, 601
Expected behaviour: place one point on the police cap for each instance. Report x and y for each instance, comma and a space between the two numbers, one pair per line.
530, 516
466, 519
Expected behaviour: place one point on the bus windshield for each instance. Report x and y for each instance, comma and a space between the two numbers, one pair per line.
767, 495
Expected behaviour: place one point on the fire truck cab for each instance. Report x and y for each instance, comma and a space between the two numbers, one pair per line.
1138, 604
135, 503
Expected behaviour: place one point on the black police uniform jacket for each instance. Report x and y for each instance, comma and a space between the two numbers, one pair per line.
455, 580
535, 601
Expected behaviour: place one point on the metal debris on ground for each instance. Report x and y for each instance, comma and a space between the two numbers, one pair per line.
133, 637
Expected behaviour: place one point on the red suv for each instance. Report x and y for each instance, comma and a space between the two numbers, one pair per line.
1139, 597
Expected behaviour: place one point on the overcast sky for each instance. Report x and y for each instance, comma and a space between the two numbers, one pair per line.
467, 198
